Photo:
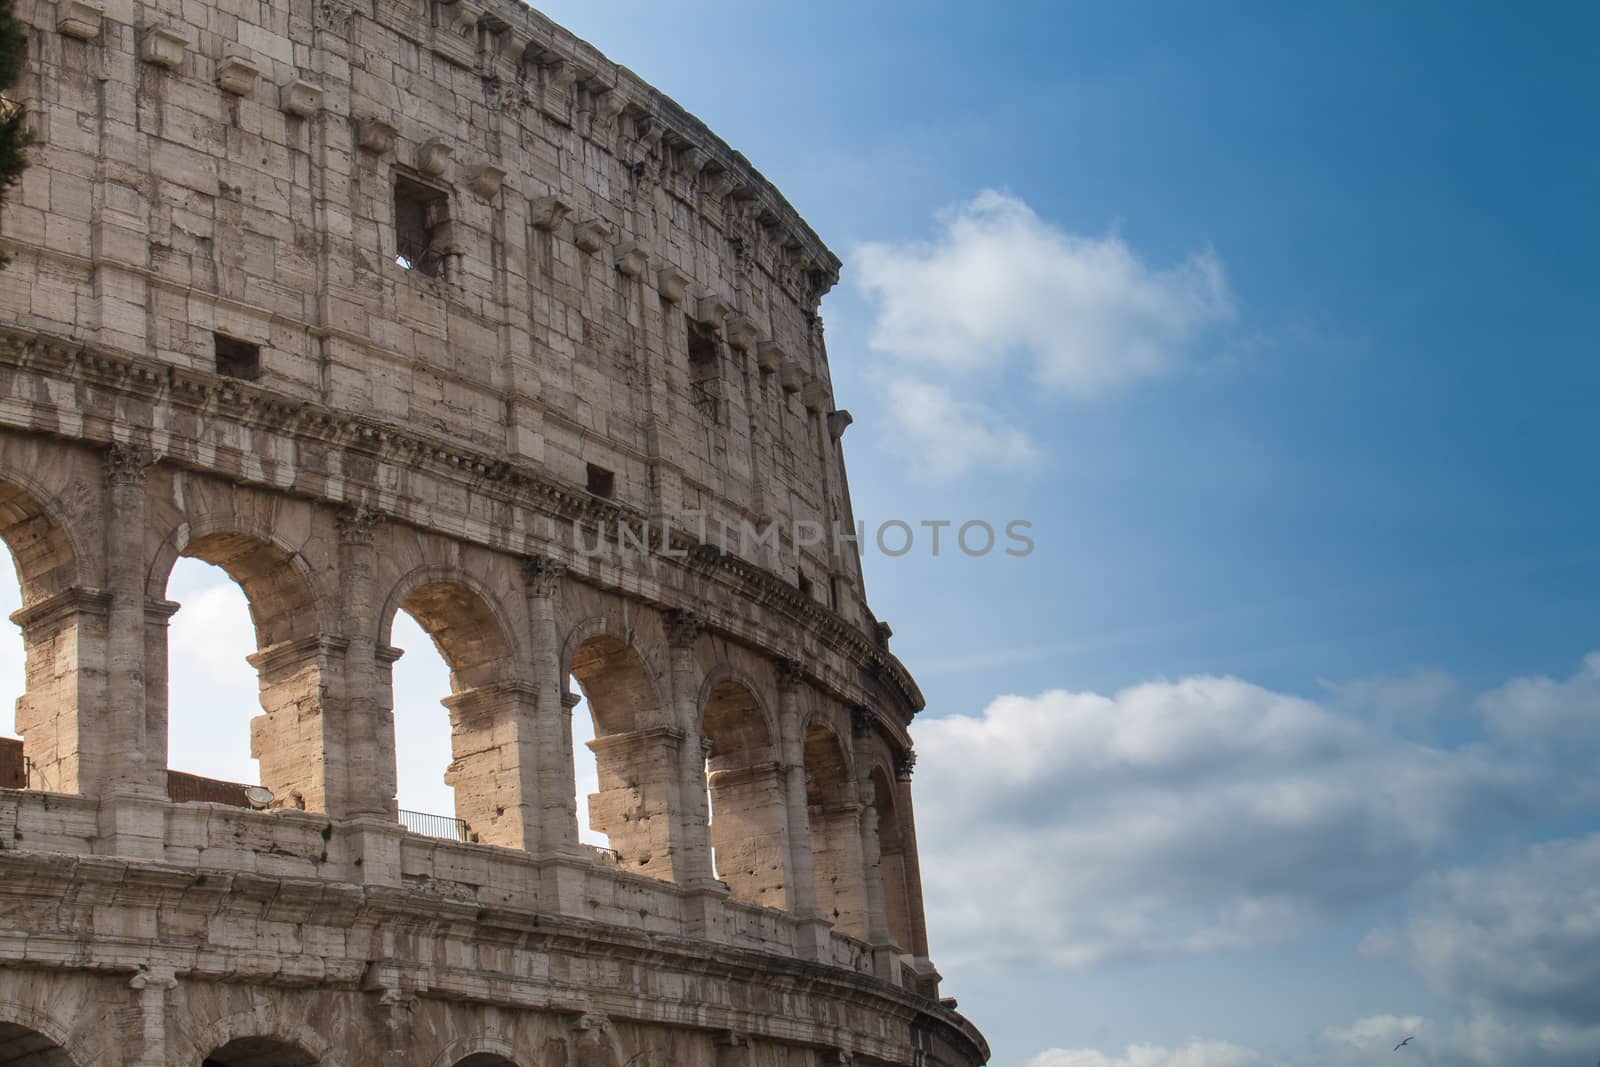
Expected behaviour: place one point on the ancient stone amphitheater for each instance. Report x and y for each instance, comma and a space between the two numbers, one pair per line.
387, 305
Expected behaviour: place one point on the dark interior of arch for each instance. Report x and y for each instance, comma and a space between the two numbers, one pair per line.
485, 1059
21, 1047
463, 629
615, 686
827, 774
258, 1052
281, 604
39, 546
736, 727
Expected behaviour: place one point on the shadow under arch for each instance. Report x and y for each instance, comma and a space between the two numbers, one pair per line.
482, 1051
491, 704
834, 815
259, 1052
289, 614
26, 1040
635, 748
59, 620
749, 838
252, 1039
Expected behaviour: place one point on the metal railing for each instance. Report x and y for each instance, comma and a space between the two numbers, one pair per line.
442, 826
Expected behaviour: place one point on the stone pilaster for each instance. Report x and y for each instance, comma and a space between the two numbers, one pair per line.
692, 851
366, 784
555, 785
131, 781
802, 864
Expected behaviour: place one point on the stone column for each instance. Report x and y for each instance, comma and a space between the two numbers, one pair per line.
299, 739
885, 955
130, 766
692, 852
59, 715
493, 741
813, 925
555, 783
366, 783
130, 783
152, 987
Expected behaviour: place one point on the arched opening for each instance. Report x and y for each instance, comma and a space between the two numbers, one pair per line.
44, 751
892, 860
491, 715
422, 734
259, 1052
486, 1059
634, 755
22, 1047
207, 695
13, 683
213, 691
585, 769
749, 844
834, 816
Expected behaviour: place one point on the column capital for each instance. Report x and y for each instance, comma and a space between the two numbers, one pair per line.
683, 627
861, 719
790, 673
905, 761
126, 463
543, 575
570, 700
356, 524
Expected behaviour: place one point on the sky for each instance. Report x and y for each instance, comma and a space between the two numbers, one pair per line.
1277, 327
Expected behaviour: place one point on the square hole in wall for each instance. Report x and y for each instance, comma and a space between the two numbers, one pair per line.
601, 481
236, 358
421, 221
702, 343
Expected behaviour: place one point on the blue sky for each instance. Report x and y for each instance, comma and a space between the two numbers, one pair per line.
1279, 778
1279, 325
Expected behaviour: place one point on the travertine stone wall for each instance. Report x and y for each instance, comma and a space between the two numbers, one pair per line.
397, 306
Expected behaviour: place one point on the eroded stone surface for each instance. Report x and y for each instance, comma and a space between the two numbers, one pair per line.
393, 307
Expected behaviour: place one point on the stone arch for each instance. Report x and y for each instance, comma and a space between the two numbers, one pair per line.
289, 599
618, 679
892, 857
466, 620
28, 1038
749, 819
296, 739
492, 704
635, 747
260, 1039
59, 620
481, 1051
834, 814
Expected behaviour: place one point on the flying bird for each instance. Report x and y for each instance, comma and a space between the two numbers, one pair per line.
1402, 1044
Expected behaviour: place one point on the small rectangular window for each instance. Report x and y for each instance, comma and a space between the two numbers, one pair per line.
421, 222
702, 343
236, 358
601, 481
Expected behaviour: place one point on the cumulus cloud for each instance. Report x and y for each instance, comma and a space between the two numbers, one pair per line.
1177, 817
1193, 1053
1547, 713
945, 438
1519, 938
999, 283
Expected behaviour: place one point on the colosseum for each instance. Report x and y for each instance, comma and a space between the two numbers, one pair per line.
427, 306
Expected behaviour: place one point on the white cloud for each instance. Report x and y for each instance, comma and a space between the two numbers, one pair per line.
1000, 283
1545, 713
1193, 1053
1519, 938
1185, 817
945, 438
